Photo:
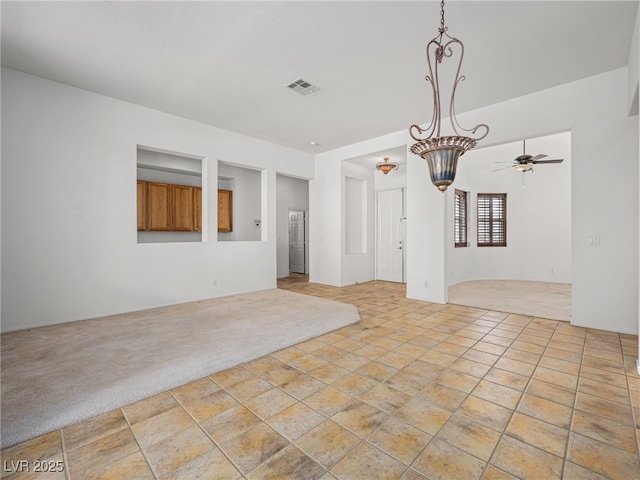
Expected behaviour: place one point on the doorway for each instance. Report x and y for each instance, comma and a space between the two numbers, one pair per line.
390, 235
297, 262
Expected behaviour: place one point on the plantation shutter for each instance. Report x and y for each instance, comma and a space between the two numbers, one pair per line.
492, 219
460, 219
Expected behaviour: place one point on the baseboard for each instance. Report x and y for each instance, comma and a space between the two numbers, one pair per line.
638, 365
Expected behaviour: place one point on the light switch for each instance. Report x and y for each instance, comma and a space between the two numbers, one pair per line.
593, 240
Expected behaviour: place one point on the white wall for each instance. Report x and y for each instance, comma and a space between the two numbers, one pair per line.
291, 193
245, 184
358, 225
69, 248
604, 156
538, 214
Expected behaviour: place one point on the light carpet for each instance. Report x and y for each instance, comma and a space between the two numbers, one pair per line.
536, 299
59, 375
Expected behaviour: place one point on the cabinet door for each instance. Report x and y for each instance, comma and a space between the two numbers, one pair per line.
142, 205
159, 199
182, 208
197, 209
225, 211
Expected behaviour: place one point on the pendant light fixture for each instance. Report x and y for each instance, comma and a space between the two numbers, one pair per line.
386, 166
442, 152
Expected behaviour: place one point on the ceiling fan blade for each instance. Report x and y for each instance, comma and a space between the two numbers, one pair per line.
503, 168
537, 157
504, 162
555, 160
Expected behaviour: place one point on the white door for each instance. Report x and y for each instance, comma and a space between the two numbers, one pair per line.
390, 236
296, 241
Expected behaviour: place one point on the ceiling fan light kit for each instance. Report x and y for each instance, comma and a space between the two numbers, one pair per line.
442, 152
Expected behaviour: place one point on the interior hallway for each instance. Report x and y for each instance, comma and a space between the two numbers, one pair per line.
416, 390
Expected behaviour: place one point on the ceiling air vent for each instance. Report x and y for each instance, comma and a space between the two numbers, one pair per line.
302, 87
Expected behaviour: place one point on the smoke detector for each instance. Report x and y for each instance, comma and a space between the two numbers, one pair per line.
302, 87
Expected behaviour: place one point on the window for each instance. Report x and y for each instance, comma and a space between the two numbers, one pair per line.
492, 219
460, 219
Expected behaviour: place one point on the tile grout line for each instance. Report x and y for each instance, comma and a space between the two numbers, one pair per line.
142, 451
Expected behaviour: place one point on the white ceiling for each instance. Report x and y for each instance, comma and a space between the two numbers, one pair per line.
227, 63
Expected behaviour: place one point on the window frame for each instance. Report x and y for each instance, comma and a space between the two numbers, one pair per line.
492, 225
461, 219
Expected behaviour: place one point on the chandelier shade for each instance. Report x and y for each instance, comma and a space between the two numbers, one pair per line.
386, 166
442, 152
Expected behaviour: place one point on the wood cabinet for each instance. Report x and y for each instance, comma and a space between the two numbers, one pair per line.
142, 205
159, 201
182, 208
167, 207
225, 211
197, 209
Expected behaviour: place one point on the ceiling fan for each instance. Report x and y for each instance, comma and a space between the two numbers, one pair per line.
525, 162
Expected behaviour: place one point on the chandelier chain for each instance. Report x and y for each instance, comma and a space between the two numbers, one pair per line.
442, 29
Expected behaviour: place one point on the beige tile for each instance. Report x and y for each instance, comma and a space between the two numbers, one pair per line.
370, 351
360, 418
231, 376
603, 458
177, 450
202, 467
355, 384
230, 423
499, 394
307, 362
507, 379
302, 385
89, 458
525, 461
604, 376
486, 413
133, 467
555, 377
410, 350
328, 353
328, 443
376, 371
599, 389
351, 361
93, 429
368, 463
479, 356
39, 448
400, 440
329, 372
421, 369
470, 367
295, 421
202, 408
545, 410
443, 461
280, 374
194, 390
385, 398
424, 415
470, 437
288, 354
329, 401
552, 392
249, 387
602, 407
444, 397
149, 407
457, 380
543, 435
270, 402
516, 366
161, 426
493, 473
438, 358
576, 472
288, 463
607, 431
253, 447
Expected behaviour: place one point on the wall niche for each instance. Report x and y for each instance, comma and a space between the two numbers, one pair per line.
169, 196
239, 203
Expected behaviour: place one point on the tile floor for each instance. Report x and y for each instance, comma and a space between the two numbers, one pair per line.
416, 390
